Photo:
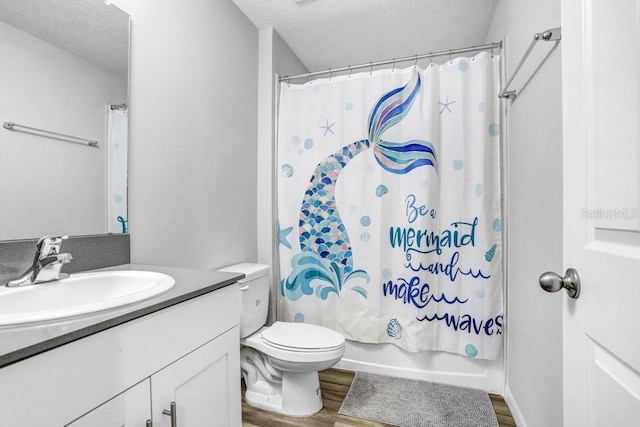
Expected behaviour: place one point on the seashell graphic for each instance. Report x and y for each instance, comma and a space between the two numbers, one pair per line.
394, 329
490, 253
286, 170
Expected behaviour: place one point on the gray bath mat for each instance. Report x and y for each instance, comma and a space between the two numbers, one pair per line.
413, 403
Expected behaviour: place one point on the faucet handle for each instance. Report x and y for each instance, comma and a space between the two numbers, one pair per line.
49, 245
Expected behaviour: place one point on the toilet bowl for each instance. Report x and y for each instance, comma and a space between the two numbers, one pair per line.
280, 363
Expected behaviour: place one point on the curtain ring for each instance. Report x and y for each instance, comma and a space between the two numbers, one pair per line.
309, 81
491, 52
415, 63
350, 70
370, 68
393, 66
450, 60
474, 53
431, 59
330, 74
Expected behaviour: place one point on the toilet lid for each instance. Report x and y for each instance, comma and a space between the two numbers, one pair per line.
302, 336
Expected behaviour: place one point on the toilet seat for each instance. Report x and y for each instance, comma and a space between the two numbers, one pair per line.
302, 337
280, 342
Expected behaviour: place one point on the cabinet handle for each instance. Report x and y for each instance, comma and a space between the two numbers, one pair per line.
173, 414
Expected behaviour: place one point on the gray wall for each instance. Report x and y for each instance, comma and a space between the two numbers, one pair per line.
193, 119
534, 216
275, 58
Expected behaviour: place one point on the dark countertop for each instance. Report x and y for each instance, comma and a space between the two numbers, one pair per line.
23, 341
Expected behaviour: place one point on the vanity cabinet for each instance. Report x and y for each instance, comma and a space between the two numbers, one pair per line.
198, 385
131, 408
188, 353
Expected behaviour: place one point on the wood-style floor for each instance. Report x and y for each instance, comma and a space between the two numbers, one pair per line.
335, 385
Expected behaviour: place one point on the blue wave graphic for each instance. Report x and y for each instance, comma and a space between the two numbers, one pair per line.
311, 269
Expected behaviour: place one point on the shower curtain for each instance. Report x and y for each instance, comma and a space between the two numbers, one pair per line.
117, 147
389, 206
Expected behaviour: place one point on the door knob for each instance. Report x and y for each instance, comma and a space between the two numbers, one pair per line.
553, 282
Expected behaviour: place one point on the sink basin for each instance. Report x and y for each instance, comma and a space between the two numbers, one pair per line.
81, 293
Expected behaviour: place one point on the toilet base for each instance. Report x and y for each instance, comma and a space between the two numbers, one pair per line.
300, 393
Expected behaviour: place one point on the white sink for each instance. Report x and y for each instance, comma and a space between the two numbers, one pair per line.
81, 293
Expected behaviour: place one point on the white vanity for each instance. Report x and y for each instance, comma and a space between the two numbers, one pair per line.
169, 361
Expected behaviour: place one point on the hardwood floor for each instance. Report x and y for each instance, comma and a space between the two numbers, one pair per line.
335, 385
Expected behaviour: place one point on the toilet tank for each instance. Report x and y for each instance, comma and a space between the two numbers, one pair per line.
254, 294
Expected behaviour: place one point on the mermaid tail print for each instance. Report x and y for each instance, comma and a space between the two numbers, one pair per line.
326, 257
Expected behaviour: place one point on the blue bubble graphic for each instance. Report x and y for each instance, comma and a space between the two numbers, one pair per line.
458, 164
295, 140
299, 317
480, 293
365, 221
348, 106
308, 143
365, 237
481, 107
471, 350
494, 129
463, 65
117, 198
497, 224
381, 190
386, 274
479, 189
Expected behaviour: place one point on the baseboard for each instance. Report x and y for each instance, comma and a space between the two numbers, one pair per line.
513, 407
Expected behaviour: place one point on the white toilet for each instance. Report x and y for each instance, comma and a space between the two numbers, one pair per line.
280, 363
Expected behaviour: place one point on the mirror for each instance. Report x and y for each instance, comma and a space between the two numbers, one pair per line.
64, 83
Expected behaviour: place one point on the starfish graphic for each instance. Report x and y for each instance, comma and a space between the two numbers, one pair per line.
446, 104
282, 236
327, 127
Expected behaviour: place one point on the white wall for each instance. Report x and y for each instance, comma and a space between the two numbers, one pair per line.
193, 118
50, 186
534, 216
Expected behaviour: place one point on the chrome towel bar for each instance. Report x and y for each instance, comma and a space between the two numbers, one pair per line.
551, 35
41, 132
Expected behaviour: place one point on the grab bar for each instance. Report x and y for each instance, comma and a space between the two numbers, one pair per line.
551, 35
13, 126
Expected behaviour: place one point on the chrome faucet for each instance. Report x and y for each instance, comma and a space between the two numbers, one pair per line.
46, 264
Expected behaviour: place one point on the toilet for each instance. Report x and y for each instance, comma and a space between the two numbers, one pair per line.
280, 363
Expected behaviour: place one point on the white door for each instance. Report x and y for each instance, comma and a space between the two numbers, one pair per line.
601, 116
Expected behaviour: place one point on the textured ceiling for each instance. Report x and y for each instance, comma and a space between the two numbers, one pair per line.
87, 28
336, 33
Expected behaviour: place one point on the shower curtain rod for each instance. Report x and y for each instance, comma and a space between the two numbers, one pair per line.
118, 107
489, 46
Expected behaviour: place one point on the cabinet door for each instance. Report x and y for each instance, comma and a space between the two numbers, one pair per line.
204, 384
129, 409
